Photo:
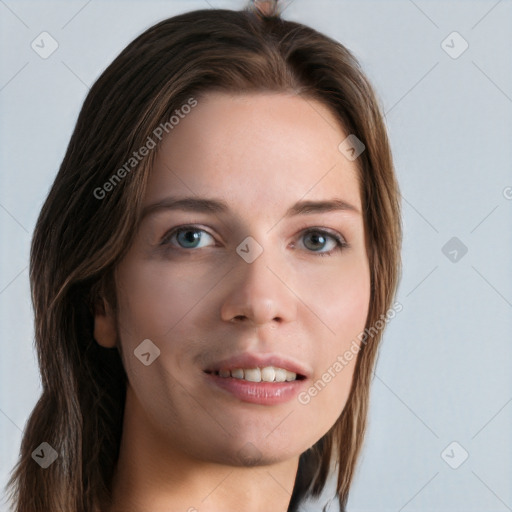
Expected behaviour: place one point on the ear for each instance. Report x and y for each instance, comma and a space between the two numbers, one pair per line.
105, 329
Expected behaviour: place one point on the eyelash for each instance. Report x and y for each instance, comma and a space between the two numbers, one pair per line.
341, 244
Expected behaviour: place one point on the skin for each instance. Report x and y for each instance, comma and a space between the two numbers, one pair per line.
183, 438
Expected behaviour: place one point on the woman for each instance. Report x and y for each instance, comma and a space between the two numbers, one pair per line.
211, 273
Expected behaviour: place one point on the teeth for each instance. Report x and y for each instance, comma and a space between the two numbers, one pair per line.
267, 374
290, 376
237, 373
252, 375
280, 375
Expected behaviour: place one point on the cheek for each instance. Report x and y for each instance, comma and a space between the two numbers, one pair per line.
340, 298
341, 301
157, 299
159, 303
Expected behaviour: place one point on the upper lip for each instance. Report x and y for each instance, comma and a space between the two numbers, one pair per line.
254, 360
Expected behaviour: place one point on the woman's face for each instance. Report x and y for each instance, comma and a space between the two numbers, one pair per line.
260, 269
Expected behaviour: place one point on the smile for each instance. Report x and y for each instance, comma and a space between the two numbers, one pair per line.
266, 374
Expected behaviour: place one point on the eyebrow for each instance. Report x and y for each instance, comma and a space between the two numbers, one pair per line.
204, 205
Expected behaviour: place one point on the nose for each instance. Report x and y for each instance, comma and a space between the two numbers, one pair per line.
260, 292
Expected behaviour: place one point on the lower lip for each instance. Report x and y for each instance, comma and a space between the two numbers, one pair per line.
262, 393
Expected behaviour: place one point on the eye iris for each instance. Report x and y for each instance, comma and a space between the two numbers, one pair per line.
316, 238
188, 237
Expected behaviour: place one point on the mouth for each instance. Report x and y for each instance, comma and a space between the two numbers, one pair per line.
259, 368
265, 374
263, 379
262, 384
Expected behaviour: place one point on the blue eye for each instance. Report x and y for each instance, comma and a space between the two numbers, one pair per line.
317, 241
323, 242
188, 237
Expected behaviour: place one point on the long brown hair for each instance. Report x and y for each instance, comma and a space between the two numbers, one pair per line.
80, 237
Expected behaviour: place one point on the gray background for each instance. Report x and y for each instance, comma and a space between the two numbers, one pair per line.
443, 373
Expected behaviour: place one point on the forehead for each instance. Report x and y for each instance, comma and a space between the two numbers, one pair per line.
255, 149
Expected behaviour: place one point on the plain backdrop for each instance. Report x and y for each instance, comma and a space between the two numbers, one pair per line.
443, 387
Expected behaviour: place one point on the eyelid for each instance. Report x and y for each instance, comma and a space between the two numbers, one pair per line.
341, 243
165, 240
340, 240
331, 232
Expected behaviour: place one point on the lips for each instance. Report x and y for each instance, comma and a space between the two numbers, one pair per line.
255, 360
240, 378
